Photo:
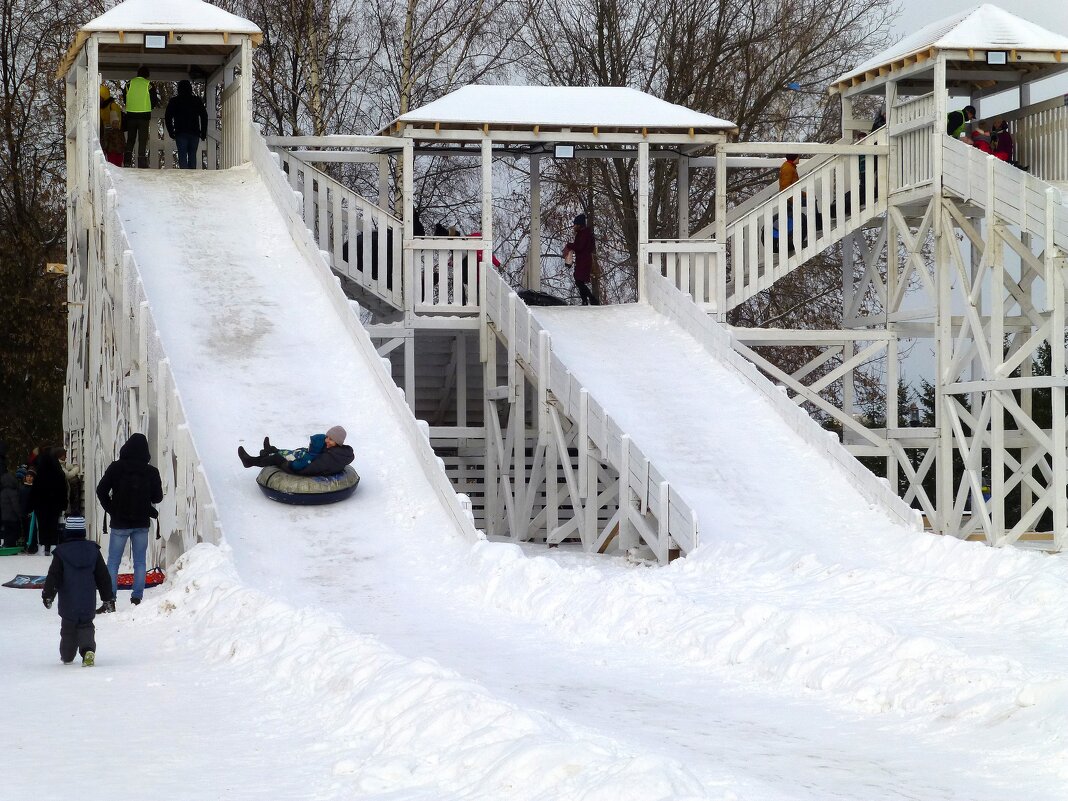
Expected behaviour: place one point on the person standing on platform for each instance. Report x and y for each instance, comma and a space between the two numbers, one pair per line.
187, 124
957, 123
112, 141
579, 252
141, 98
127, 491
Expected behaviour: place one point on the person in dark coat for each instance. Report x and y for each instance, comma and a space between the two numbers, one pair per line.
10, 510
25, 476
127, 491
187, 124
77, 573
48, 499
325, 455
580, 252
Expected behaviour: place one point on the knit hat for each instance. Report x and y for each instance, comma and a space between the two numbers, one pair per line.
581, 220
336, 433
75, 528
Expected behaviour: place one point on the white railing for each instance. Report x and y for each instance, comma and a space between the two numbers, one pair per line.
694, 266
364, 241
816, 212
119, 380
911, 124
809, 165
446, 274
1040, 137
661, 517
1020, 199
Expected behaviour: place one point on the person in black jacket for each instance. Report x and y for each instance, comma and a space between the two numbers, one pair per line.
129, 488
187, 124
10, 513
77, 573
48, 499
325, 455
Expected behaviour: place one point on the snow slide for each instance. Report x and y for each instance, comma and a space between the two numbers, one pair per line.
750, 464
796, 656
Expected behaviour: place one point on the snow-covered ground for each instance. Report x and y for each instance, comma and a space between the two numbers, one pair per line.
367, 650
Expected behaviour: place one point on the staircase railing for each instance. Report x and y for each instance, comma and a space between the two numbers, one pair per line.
840, 195
648, 503
364, 241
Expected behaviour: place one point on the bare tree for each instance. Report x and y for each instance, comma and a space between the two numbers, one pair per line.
731, 58
33, 315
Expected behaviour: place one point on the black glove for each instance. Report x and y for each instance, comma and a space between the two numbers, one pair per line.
109, 606
47, 602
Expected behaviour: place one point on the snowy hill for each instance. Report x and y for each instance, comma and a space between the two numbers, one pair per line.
375, 650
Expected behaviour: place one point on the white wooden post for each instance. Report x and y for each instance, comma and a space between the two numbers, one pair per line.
534, 253
721, 203
244, 127
1056, 266
411, 285
643, 214
487, 202
684, 197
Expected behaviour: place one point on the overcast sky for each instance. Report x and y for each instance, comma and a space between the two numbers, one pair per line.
917, 13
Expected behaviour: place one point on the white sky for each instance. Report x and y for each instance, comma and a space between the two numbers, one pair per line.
917, 13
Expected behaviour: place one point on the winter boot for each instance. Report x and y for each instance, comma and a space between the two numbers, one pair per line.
246, 460
268, 447
89, 659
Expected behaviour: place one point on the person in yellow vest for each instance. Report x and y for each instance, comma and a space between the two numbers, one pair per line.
141, 98
111, 138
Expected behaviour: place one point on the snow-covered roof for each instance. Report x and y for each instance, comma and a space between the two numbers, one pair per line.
170, 15
984, 27
161, 16
556, 107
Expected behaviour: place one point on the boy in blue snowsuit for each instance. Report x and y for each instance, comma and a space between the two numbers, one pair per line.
78, 571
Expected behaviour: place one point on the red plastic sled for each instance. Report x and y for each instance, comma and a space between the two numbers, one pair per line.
153, 578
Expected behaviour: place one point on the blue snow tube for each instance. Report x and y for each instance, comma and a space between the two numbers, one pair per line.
284, 487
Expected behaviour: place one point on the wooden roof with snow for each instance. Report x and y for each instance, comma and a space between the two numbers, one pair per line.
533, 113
191, 26
965, 39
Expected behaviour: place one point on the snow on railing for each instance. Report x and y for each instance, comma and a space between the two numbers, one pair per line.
694, 266
911, 124
122, 381
364, 240
1019, 198
649, 504
718, 341
818, 210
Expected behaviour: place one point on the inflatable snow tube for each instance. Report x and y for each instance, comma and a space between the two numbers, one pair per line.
284, 487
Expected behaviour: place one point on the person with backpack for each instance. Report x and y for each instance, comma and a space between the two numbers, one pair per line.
187, 124
76, 574
127, 491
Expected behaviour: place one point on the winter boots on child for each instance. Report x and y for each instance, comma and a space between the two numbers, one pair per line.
269, 456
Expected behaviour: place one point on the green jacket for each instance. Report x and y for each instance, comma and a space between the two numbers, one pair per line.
955, 123
138, 96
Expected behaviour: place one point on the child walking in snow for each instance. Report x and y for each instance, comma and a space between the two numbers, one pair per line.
77, 573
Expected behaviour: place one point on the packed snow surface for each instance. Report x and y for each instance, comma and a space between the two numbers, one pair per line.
367, 650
